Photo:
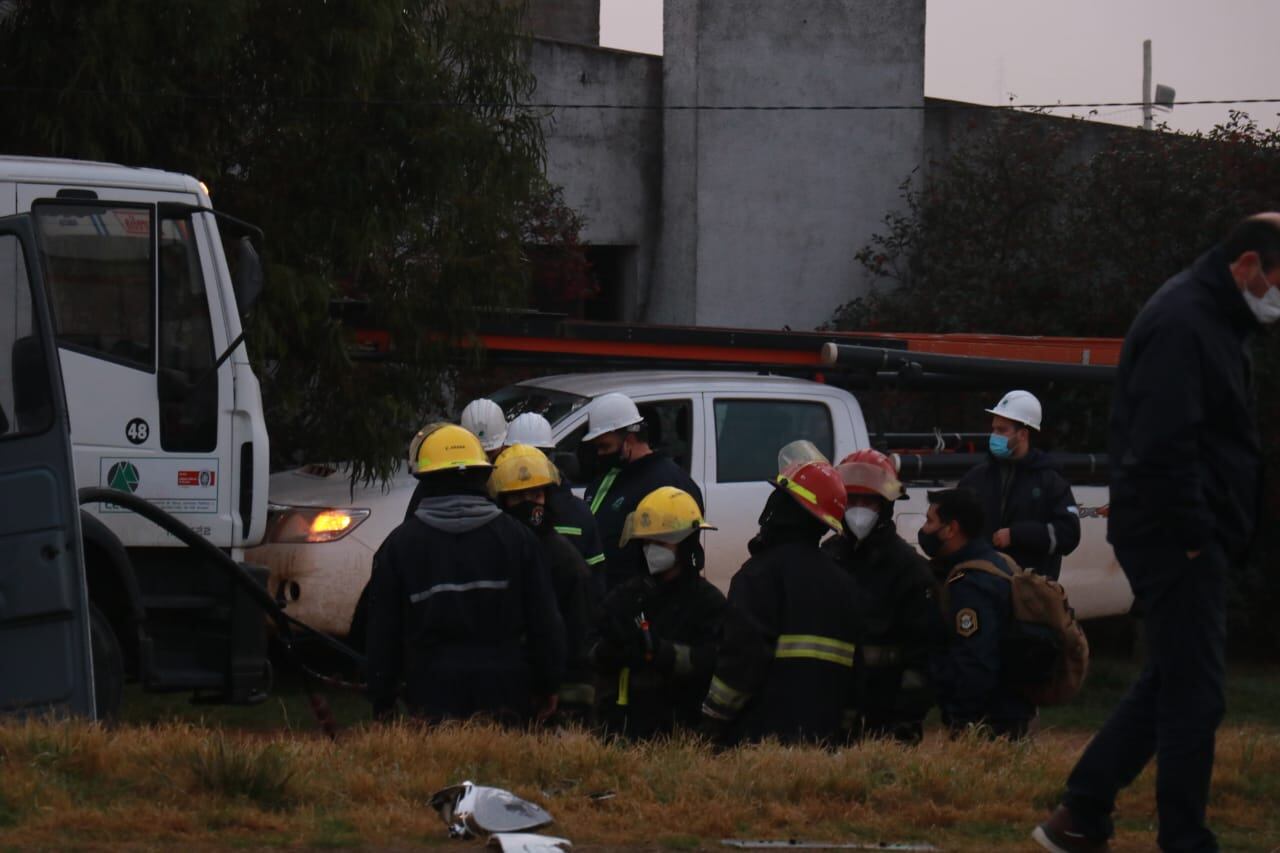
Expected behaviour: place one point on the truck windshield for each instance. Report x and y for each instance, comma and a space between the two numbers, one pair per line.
553, 405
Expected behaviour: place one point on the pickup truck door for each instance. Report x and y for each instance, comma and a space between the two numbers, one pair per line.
744, 432
44, 609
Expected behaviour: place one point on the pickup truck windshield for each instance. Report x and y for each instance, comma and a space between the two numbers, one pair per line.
553, 405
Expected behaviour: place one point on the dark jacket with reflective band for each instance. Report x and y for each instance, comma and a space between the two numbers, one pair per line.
1031, 498
615, 495
1185, 460
574, 521
466, 618
642, 698
901, 624
571, 581
787, 652
967, 673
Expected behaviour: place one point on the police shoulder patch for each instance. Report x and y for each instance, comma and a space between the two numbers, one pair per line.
967, 622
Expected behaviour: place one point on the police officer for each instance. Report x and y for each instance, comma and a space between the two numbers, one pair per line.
573, 518
521, 483
968, 673
1030, 512
786, 657
484, 419
898, 608
631, 470
1186, 489
655, 643
461, 607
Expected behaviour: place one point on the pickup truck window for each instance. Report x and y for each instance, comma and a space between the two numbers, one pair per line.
99, 266
670, 432
25, 402
749, 434
515, 400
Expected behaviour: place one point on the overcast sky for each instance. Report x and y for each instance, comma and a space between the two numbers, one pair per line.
1037, 51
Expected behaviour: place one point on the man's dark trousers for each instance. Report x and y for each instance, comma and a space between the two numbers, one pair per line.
1173, 709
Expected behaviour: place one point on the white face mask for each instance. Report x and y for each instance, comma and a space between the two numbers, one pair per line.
860, 521
1266, 307
659, 557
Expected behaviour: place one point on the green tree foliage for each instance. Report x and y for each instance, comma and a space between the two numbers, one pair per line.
1028, 228
374, 141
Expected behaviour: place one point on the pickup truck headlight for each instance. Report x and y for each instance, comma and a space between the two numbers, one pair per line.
294, 524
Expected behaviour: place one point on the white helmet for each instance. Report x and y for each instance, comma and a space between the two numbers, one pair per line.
612, 412
485, 420
530, 428
1020, 406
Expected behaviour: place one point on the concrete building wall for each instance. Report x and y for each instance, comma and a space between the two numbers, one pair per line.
576, 21
763, 210
608, 161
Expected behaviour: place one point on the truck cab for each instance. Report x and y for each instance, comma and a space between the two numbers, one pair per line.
146, 315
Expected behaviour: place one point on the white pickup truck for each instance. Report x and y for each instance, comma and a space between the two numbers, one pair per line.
724, 428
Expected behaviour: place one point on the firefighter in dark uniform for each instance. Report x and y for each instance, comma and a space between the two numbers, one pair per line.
484, 419
461, 606
968, 671
655, 643
898, 607
1029, 509
521, 481
573, 518
785, 668
632, 469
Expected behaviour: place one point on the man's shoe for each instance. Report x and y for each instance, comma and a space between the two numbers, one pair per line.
1059, 834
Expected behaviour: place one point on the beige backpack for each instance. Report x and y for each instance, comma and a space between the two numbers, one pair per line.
1045, 652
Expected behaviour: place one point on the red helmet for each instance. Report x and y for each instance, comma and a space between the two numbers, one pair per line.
817, 487
870, 472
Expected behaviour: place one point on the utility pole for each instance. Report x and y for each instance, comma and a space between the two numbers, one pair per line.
1146, 84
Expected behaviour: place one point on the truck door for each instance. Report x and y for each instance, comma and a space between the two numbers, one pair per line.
131, 315
44, 608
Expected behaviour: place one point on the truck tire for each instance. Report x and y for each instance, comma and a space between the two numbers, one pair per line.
108, 665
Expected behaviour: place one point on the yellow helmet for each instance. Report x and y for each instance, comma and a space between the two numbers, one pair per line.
520, 467
446, 447
667, 514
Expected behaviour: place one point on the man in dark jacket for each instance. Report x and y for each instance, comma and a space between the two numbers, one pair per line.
786, 657
654, 646
632, 469
573, 518
897, 604
461, 607
521, 481
969, 674
1185, 489
1030, 512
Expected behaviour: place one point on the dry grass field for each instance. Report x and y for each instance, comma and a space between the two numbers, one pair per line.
178, 783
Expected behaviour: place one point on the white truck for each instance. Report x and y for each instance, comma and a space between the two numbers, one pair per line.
725, 428
146, 312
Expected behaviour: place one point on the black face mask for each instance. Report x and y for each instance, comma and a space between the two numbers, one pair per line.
930, 542
532, 514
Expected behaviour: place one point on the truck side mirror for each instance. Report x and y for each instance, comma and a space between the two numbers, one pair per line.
246, 275
32, 407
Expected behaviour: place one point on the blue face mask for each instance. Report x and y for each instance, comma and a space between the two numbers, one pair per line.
999, 446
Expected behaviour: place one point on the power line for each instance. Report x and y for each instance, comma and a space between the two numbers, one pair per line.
535, 105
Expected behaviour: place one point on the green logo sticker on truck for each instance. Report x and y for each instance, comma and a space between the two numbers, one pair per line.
123, 477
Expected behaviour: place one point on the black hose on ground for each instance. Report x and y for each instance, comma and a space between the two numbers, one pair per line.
286, 625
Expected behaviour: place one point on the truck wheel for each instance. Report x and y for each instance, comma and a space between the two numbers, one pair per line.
108, 665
